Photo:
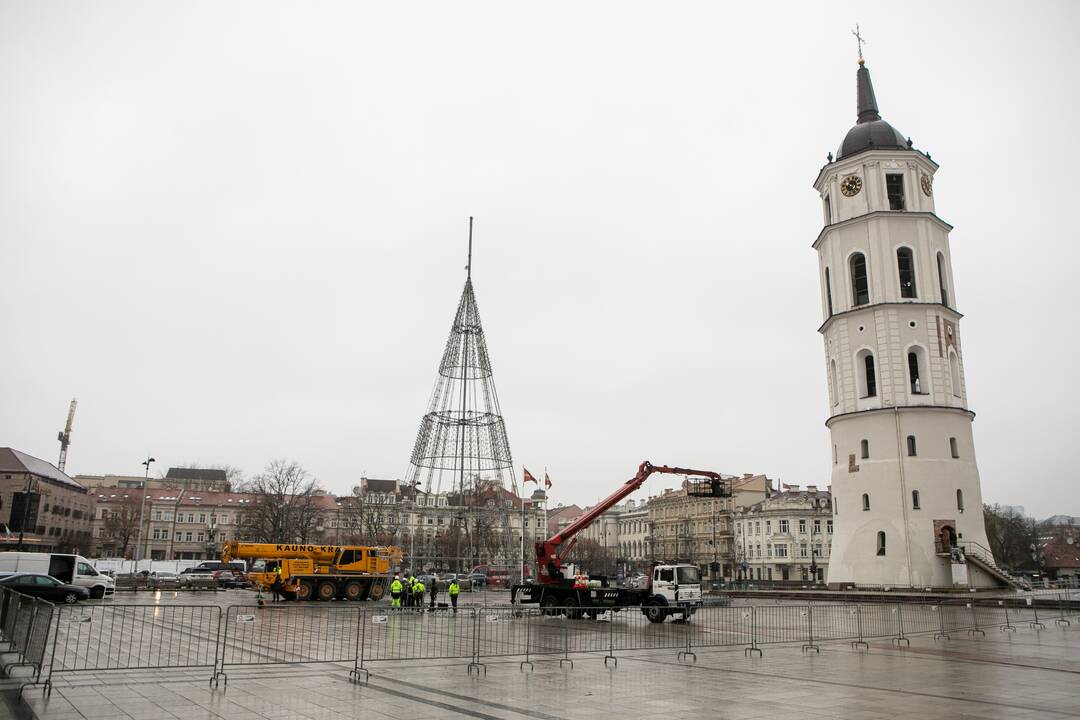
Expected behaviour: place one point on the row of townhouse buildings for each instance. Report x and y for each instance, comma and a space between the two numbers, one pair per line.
189, 513
761, 532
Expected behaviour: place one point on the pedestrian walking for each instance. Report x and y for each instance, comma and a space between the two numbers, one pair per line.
454, 590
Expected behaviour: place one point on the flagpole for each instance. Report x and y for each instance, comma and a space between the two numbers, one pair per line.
521, 564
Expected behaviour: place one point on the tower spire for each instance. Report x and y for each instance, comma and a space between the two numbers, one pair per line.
868, 107
468, 267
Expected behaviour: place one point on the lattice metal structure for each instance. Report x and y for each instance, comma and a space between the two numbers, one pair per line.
462, 441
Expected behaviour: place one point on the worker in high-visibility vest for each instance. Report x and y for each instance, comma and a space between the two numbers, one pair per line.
454, 590
409, 591
418, 593
276, 586
395, 592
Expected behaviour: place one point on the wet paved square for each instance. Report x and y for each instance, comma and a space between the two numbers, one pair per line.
1027, 673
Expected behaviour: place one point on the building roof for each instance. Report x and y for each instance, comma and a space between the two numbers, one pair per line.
12, 460
789, 495
209, 474
381, 486
870, 131
1062, 552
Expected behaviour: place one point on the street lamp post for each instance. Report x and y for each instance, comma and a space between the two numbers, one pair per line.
142, 507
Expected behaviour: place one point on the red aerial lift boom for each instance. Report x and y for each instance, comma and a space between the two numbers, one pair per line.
549, 553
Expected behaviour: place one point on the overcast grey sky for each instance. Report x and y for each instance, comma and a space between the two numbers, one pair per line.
236, 231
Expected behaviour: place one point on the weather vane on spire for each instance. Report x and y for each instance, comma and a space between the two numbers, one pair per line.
860, 40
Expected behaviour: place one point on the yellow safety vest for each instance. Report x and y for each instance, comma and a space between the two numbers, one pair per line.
418, 588
454, 588
395, 587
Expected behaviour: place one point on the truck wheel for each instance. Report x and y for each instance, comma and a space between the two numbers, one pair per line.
654, 613
327, 590
305, 590
97, 593
573, 612
353, 590
377, 591
548, 604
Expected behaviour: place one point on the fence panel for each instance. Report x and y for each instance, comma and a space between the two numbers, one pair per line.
128, 637
781, 624
718, 626
415, 634
289, 634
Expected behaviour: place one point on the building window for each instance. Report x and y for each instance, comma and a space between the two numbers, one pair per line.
894, 188
781, 551
941, 279
817, 526
188, 536
828, 291
952, 448
828, 526
960, 500
168, 516
954, 370
905, 264
869, 375
178, 536
200, 537
864, 447
768, 549
911, 446
915, 500
202, 518
802, 525
828, 210
834, 454
157, 514
913, 372
860, 283
783, 526
768, 527
191, 517
802, 550
865, 501
880, 543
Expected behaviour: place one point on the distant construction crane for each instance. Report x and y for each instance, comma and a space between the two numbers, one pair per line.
65, 436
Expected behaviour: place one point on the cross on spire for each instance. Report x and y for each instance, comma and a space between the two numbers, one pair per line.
859, 39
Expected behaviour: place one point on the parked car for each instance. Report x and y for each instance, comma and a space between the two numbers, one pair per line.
463, 581
230, 578
163, 579
196, 578
477, 580
45, 587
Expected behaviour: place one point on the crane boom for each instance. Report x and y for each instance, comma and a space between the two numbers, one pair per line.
65, 436
548, 562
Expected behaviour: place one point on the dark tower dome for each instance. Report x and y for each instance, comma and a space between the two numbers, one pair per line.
870, 132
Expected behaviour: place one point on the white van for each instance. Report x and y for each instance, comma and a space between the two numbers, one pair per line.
71, 569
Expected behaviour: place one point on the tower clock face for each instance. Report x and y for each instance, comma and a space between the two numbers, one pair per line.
851, 185
927, 185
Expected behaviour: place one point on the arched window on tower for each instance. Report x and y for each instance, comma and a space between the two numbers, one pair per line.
953, 450
941, 280
954, 370
865, 501
835, 386
959, 500
867, 374
915, 500
828, 291
865, 447
911, 446
881, 542
916, 360
905, 264
860, 283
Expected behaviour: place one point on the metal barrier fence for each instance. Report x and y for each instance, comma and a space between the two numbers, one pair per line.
106, 636
24, 625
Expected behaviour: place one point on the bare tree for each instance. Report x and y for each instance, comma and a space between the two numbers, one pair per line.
122, 522
283, 508
593, 557
1011, 537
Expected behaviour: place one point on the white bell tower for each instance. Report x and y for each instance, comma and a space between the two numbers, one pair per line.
906, 497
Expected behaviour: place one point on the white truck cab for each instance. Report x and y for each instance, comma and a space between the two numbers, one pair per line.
67, 568
676, 590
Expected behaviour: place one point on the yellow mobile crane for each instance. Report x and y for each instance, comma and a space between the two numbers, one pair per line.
325, 572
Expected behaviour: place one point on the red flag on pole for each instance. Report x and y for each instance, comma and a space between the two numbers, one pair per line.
528, 476
547, 480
